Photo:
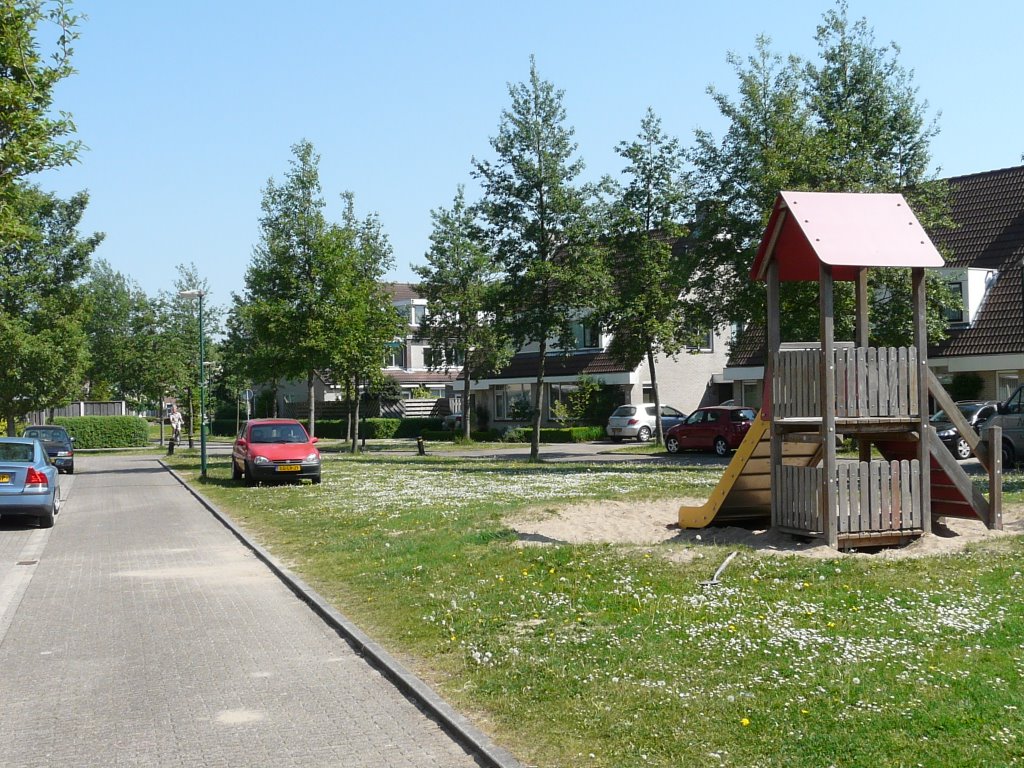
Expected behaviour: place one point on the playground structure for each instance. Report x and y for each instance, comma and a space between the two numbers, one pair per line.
786, 470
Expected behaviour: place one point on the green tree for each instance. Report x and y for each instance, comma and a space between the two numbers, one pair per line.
459, 283
540, 226
43, 350
32, 139
850, 122
121, 326
645, 315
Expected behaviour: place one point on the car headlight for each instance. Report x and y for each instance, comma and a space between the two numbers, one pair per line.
947, 433
313, 458
260, 460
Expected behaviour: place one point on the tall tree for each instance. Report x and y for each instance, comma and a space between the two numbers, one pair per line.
121, 326
851, 122
360, 320
43, 350
459, 282
645, 315
32, 139
539, 226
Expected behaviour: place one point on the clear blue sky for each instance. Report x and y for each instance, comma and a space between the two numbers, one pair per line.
189, 107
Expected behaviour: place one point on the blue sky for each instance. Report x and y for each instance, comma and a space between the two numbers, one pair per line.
187, 108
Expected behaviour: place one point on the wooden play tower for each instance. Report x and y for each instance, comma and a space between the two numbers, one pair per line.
879, 396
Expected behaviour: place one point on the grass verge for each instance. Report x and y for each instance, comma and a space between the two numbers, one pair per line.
605, 655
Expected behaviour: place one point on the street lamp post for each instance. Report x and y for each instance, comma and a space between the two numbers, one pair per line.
202, 380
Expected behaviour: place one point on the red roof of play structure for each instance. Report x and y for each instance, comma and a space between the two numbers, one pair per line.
845, 230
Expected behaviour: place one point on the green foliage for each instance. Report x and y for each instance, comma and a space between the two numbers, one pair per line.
422, 393
33, 135
43, 350
415, 427
106, 431
380, 428
849, 121
966, 385
588, 404
386, 390
539, 225
224, 427
521, 409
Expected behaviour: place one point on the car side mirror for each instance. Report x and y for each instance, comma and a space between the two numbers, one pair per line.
242, 442
1001, 409
314, 439
72, 438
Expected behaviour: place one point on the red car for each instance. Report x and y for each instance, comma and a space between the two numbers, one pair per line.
275, 450
719, 428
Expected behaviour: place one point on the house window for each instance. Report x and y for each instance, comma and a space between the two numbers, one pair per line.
433, 358
956, 315
587, 335
419, 311
559, 393
700, 341
507, 397
1006, 383
394, 356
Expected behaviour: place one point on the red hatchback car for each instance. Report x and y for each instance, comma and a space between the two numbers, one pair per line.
719, 428
274, 450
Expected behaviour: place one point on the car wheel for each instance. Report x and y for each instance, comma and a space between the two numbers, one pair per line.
962, 449
316, 479
236, 472
721, 447
1009, 455
46, 521
71, 469
672, 444
250, 479
643, 434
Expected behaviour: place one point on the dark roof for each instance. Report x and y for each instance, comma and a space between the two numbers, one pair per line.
989, 209
401, 291
747, 349
524, 365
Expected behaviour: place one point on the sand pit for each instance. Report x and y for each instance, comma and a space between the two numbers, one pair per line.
652, 523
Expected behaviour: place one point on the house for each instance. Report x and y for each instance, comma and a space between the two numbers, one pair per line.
408, 359
686, 382
984, 257
984, 254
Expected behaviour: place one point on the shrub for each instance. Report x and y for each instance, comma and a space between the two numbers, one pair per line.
380, 428
106, 431
415, 427
966, 386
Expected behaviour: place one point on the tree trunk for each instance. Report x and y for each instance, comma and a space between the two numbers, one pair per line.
311, 394
348, 408
659, 434
12, 424
355, 420
538, 403
466, 417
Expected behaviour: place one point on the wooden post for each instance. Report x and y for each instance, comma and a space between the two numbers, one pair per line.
767, 404
861, 340
827, 402
923, 445
995, 478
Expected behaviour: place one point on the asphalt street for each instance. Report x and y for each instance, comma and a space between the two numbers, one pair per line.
140, 632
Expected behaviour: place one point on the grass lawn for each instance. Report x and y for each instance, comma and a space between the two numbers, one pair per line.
614, 655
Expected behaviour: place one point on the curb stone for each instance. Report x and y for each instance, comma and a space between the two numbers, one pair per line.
426, 699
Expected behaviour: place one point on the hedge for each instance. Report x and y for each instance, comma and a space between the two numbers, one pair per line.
554, 434
106, 431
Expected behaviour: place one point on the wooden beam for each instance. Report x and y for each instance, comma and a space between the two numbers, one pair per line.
827, 400
995, 478
861, 316
920, 307
960, 479
774, 343
956, 418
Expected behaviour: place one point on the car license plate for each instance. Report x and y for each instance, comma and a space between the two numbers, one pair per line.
4, 477
289, 468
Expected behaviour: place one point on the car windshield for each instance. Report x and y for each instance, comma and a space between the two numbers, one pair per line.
968, 410
278, 433
46, 434
16, 452
743, 414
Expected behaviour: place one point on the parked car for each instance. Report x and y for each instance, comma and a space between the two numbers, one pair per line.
977, 412
718, 428
638, 421
59, 445
278, 450
1009, 417
29, 483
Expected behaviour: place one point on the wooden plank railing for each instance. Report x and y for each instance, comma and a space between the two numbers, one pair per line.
871, 382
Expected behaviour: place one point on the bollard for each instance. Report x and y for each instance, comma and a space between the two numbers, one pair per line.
170, 447
420, 447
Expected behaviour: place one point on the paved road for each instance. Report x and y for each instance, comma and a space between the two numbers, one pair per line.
139, 632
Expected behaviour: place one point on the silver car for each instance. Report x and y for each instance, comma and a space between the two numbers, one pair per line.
29, 483
638, 422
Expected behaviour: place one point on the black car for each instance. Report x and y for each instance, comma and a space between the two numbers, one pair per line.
59, 446
977, 412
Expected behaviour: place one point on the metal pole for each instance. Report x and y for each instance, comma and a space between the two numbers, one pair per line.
202, 393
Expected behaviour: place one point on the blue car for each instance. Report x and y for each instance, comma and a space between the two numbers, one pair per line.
29, 483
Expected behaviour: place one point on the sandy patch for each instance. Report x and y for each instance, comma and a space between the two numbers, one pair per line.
652, 523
